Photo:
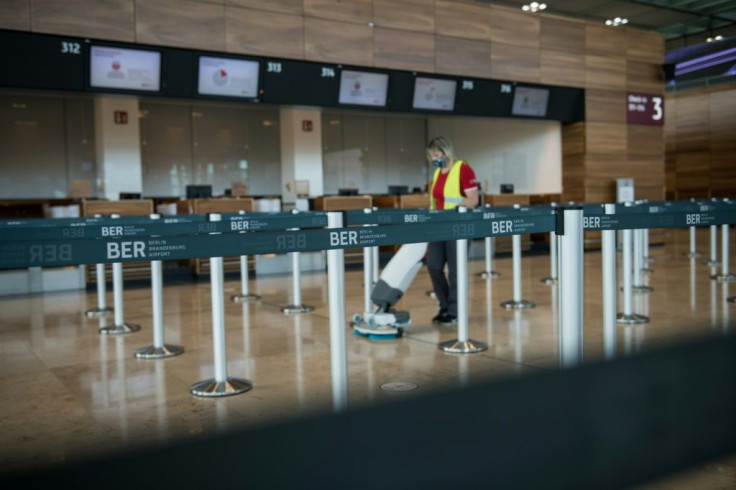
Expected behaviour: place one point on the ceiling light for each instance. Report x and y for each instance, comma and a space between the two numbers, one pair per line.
534, 7
617, 21
713, 39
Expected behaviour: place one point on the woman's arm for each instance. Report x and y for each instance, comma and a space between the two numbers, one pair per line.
471, 199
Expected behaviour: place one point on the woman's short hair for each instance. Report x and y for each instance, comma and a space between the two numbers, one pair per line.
442, 144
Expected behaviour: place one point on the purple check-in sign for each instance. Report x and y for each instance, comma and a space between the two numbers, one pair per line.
645, 109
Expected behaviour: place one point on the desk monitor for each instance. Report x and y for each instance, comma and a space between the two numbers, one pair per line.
397, 190
363, 88
130, 195
507, 188
530, 101
434, 94
347, 191
228, 77
199, 191
124, 69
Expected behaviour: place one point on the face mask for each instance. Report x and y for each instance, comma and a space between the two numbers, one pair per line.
439, 163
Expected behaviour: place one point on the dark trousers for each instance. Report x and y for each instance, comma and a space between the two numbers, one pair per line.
439, 254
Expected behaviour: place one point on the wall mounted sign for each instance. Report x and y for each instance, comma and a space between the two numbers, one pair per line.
645, 109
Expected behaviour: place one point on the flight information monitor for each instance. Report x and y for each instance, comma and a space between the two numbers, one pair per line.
434, 94
228, 77
530, 101
124, 69
363, 88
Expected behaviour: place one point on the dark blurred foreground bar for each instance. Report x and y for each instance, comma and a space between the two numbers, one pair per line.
600, 426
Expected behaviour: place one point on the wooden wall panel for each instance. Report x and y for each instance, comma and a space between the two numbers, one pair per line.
355, 11
723, 121
265, 33
463, 57
168, 22
562, 68
644, 77
605, 192
692, 171
515, 63
562, 35
693, 123
334, 42
646, 171
645, 46
645, 140
605, 72
605, 106
280, 6
15, 14
411, 15
605, 138
514, 27
573, 138
112, 20
723, 174
573, 177
602, 40
463, 19
393, 48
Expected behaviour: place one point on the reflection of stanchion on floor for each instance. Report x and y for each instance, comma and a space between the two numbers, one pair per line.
713, 262
245, 295
637, 285
221, 384
608, 246
552, 278
338, 345
725, 275
120, 327
463, 344
517, 303
627, 317
645, 258
101, 309
692, 252
489, 273
159, 349
571, 288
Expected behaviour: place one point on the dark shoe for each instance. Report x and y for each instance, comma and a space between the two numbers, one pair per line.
440, 316
448, 321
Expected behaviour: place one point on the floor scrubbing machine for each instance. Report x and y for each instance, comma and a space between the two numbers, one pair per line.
385, 323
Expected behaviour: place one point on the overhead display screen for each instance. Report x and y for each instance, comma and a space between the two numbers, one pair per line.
363, 88
228, 77
124, 69
530, 101
434, 94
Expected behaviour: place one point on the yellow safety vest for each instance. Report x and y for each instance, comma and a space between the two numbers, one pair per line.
452, 193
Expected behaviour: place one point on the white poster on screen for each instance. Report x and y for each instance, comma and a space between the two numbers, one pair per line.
363, 88
228, 77
125, 69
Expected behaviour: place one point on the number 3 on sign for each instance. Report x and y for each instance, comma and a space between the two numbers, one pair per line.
657, 108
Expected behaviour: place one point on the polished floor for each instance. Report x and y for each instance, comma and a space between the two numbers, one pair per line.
68, 391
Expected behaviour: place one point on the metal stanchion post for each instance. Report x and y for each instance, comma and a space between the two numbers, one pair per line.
627, 317
296, 306
336, 294
552, 278
608, 245
101, 309
571, 289
463, 344
637, 286
159, 349
725, 275
221, 384
245, 295
713, 262
120, 327
645, 258
488, 272
692, 252
517, 303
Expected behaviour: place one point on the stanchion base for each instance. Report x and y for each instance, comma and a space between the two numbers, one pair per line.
212, 388
120, 329
549, 280
297, 309
693, 254
723, 277
245, 298
489, 275
97, 312
712, 263
518, 305
467, 347
647, 271
431, 294
641, 289
632, 319
152, 352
